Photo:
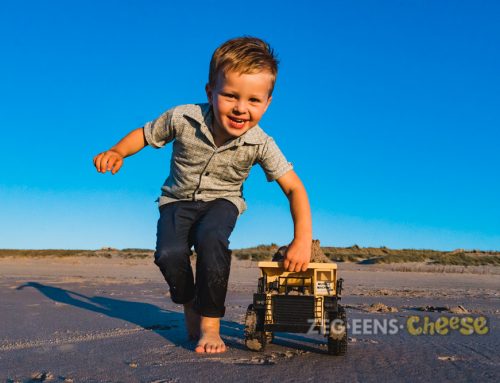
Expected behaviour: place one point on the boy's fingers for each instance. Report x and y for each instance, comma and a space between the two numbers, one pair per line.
111, 162
101, 163
96, 158
97, 162
106, 162
117, 166
286, 263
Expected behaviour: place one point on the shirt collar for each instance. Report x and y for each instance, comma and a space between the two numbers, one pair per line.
254, 136
202, 114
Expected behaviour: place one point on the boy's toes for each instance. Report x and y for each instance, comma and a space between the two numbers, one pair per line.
210, 348
216, 348
221, 348
200, 348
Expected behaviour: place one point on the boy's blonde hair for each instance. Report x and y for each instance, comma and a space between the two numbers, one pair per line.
243, 55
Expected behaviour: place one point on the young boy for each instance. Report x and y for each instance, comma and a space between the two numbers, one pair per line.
214, 147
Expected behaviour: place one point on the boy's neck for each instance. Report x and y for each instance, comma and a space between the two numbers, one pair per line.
218, 139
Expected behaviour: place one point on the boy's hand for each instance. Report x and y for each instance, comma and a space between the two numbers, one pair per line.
112, 159
108, 160
297, 256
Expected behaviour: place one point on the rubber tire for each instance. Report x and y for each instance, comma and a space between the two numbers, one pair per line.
254, 340
338, 347
269, 337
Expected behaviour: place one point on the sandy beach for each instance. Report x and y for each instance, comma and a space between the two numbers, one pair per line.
81, 319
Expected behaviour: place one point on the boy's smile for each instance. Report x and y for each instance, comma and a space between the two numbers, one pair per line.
238, 101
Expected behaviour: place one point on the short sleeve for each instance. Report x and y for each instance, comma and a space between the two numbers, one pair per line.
160, 131
272, 160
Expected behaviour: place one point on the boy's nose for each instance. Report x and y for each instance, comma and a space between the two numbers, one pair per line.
240, 107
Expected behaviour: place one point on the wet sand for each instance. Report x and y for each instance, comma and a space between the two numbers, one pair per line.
111, 320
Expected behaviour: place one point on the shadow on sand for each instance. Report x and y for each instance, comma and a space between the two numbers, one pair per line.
145, 315
161, 321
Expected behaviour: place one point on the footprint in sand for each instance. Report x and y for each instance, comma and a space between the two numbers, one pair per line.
381, 308
454, 310
448, 358
43, 376
271, 358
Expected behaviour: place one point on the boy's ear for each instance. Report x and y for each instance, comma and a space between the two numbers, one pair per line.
269, 99
209, 92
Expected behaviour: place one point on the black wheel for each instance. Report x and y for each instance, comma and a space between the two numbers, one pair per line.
337, 334
269, 337
254, 340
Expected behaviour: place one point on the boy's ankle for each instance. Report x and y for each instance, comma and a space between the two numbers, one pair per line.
192, 321
209, 323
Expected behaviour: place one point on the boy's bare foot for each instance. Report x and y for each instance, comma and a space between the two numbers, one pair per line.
210, 340
192, 320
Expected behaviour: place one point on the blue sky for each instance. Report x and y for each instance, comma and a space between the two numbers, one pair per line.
389, 111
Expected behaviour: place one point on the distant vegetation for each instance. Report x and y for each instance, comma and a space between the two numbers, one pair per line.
355, 254
105, 253
258, 253
372, 255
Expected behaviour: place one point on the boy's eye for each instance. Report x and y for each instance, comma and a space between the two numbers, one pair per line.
228, 95
255, 100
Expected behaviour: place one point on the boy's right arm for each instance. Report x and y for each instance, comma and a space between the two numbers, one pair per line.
112, 159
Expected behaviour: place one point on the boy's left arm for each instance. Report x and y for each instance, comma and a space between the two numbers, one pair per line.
298, 254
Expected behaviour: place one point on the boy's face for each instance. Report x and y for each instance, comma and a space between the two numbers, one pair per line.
239, 101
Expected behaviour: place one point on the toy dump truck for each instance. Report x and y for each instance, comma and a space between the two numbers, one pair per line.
298, 302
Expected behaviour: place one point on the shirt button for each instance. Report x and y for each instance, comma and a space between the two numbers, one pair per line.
198, 192
207, 173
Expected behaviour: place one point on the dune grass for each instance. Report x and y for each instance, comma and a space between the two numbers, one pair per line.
62, 253
353, 254
371, 255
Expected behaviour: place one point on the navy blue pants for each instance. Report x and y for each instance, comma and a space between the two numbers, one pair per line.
206, 226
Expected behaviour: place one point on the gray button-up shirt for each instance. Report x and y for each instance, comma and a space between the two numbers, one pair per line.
201, 171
